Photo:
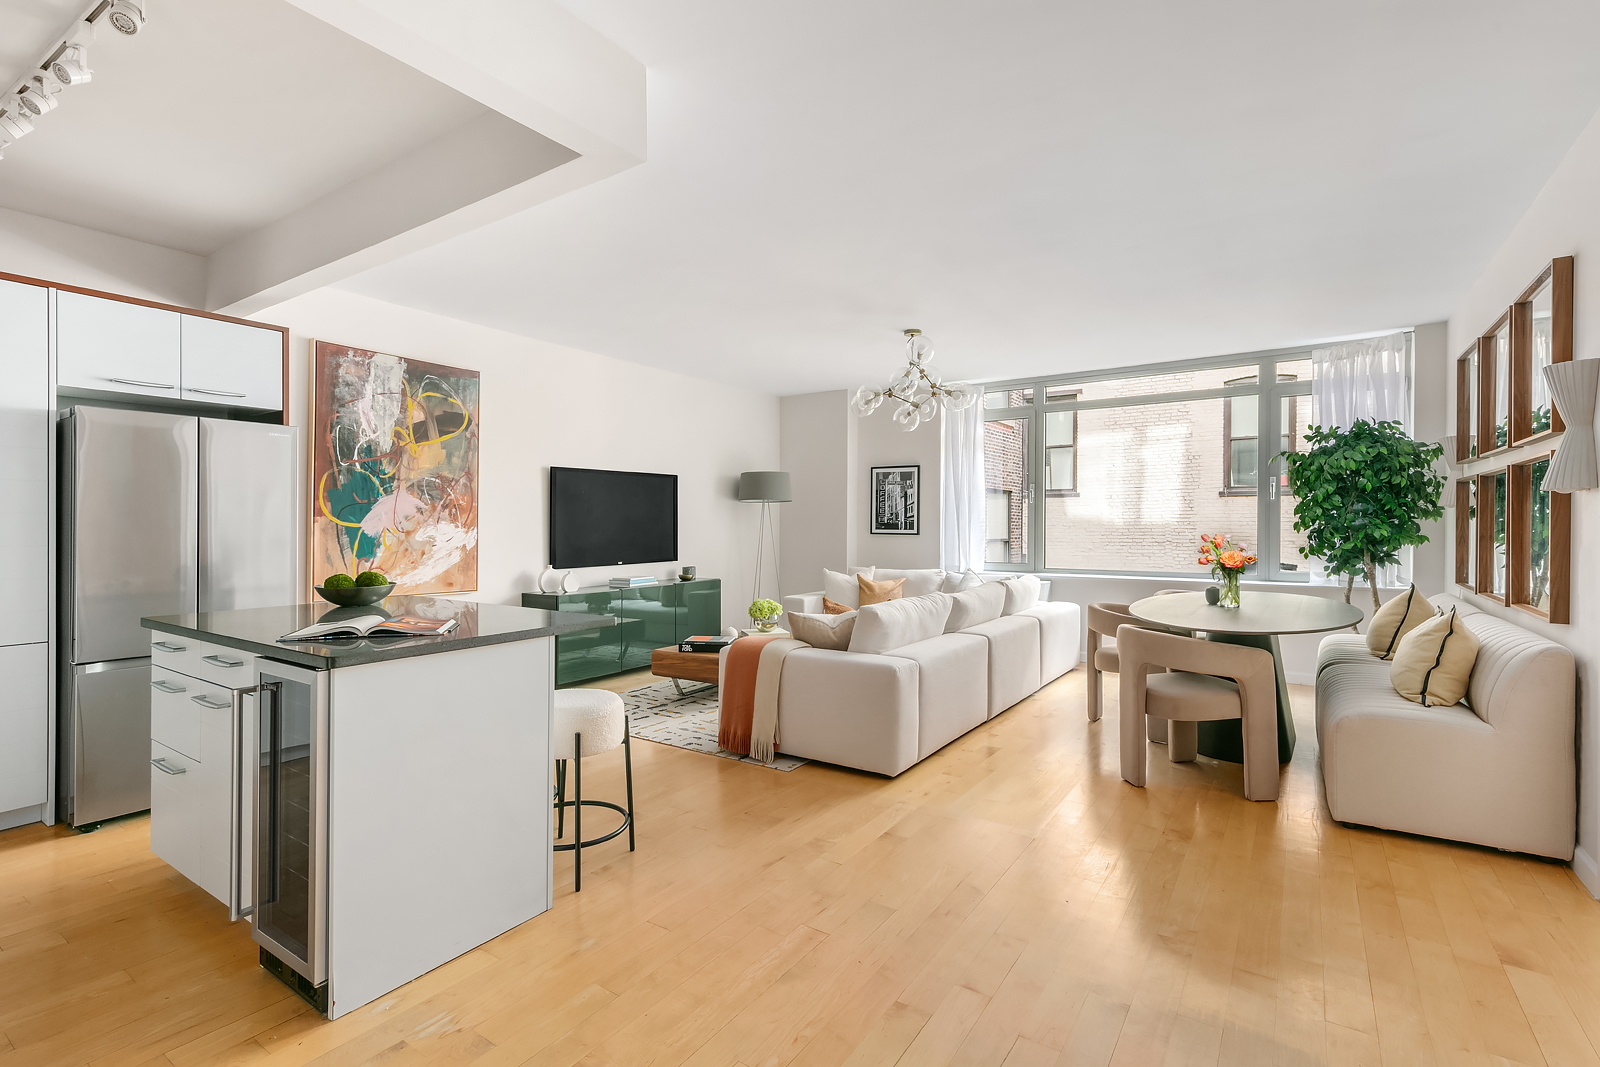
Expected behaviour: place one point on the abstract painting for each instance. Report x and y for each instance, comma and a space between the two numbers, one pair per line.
394, 470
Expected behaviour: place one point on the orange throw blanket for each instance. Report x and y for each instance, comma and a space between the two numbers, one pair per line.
739, 692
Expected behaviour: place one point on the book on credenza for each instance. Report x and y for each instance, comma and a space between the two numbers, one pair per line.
632, 583
372, 626
713, 643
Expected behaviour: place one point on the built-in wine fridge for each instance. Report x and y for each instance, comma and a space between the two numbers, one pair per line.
290, 856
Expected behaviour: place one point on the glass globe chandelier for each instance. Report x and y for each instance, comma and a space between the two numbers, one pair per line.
918, 388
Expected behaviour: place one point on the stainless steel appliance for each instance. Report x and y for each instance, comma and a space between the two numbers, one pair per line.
289, 835
160, 515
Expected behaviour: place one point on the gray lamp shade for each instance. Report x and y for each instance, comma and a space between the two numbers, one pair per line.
764, 487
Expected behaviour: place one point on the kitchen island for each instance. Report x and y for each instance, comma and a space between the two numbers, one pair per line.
375, 806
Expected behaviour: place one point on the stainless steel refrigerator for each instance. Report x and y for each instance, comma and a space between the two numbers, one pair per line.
160, 515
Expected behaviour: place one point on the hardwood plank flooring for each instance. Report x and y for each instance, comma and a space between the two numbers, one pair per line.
1009, 901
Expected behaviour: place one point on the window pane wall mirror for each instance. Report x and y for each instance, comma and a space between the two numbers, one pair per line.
1541, 335
1467, 405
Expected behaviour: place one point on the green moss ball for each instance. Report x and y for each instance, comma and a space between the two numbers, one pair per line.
371, 578
338, 581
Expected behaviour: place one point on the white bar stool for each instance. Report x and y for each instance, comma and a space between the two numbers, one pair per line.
595, 721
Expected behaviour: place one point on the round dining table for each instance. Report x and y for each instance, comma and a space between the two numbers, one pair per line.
1258, 621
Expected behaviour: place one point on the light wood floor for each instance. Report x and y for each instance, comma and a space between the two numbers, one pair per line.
1009, 901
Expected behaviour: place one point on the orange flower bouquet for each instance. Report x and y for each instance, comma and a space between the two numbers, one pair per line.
1227, 562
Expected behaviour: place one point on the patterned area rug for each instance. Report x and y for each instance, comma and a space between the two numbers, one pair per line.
657, 713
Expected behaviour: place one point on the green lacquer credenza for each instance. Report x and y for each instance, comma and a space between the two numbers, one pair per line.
649, 617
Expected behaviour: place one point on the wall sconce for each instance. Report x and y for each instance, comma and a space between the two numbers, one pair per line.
1572, 387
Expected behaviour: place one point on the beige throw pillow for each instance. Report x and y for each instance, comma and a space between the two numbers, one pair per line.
974, 606
1022, 593
1396, 619
842, 588
960, 583
1434, 662
823, 631
872, 592
897, 623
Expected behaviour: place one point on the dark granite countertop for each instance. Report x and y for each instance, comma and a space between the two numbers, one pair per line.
257, 629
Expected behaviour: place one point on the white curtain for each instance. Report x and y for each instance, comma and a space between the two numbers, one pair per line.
1361, 380
961, 508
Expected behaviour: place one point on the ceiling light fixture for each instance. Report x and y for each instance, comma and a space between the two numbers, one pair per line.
918, 388
127, 16
38, 96
72, 66
15, 124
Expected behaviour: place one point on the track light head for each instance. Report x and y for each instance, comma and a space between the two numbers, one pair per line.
15, 123
36, 98
72, 66
127, 16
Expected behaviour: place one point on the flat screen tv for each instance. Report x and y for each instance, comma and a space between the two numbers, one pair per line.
612, 518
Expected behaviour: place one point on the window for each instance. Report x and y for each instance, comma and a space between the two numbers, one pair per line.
1241, 423
1119, 473
1061, 452
1007, 489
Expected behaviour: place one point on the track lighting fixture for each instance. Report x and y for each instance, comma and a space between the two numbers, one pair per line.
127, 16
72, 66
40, 95
15, 124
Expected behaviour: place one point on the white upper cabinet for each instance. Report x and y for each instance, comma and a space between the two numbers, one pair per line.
113, 346
227, 363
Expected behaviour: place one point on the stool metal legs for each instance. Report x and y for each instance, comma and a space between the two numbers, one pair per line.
577, 803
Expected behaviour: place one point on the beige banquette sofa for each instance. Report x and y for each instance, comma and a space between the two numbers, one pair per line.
1498, 769
883, 712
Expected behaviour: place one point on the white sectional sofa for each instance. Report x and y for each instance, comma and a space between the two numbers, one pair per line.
1499, 769
883, 712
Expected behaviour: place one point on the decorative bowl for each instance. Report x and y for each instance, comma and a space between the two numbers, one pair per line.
356, 595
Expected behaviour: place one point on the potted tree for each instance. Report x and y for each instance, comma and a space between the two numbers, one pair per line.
1362, 495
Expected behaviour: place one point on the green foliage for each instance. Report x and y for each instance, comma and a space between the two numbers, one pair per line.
765, 609
338, 581
1363, 494
368, 578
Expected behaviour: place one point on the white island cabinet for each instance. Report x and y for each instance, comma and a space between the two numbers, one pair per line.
375, 807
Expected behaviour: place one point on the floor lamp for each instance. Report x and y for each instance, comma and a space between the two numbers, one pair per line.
765, 488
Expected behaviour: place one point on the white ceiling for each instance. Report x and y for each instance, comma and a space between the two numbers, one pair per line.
218, 118
1039, 186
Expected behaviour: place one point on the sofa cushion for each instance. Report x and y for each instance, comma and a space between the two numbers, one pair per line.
1394, 620
1013, 659
952, 687
960, 583
1344, 648
1060, 640
878, 592
1434, 661
918, 582
1519, 678
891, 625
976, 605
842, 588
1022, 593
823, 631
856, 711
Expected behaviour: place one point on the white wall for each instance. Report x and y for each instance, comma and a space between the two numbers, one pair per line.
816, 442
1564, 220
882, 442
1429, 422
544, 405
73, 255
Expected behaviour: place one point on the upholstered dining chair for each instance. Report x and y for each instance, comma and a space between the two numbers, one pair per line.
1204, 681
1103, 621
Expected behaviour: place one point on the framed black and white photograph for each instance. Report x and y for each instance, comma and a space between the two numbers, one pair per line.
895, 499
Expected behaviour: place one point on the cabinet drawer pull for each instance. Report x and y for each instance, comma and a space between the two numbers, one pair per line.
166, 647
168, 687
160, 764
214, 392
206, 702
141, 385
223, 661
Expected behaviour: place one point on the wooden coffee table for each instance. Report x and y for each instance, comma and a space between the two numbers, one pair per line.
684, 667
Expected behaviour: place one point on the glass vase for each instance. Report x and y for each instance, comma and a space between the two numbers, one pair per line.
1228, 590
